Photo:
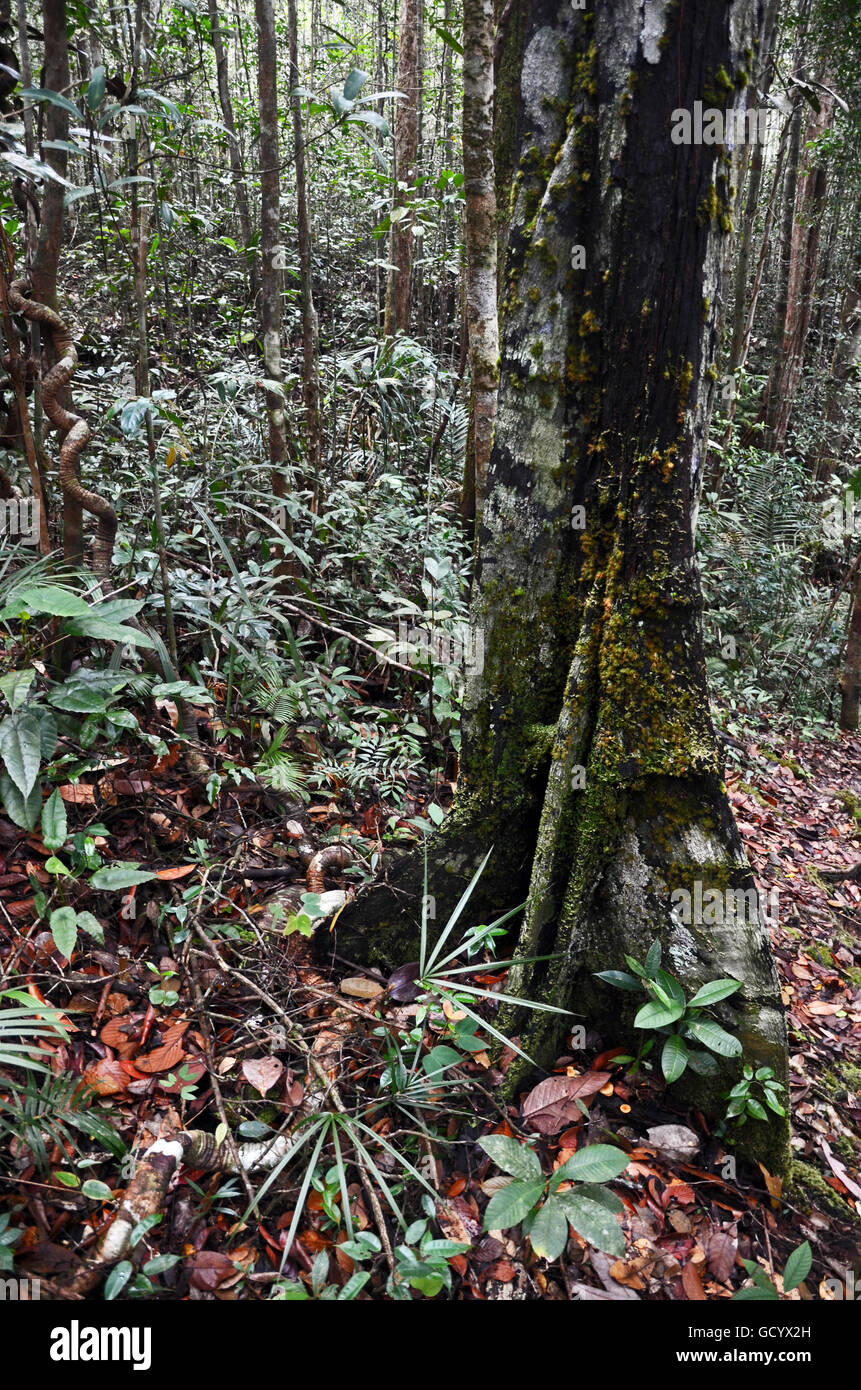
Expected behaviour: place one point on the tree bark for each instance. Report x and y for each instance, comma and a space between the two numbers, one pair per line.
803, 223
850, 683
270, 227
233, 147
398, 291
481, 280
310, 324
590, 763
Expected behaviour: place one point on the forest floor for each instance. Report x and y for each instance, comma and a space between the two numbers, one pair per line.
184, 1017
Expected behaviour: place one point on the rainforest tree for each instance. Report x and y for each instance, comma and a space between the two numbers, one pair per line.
590, 764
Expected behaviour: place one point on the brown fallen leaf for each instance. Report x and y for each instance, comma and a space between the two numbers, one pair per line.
107, 1076
210, 1269
552, 1104
262, 1072
458, 1220
839, 1171
360, 987
721, 1251
692, 1285
163, 1058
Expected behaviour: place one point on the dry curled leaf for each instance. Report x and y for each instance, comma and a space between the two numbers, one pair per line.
360, 987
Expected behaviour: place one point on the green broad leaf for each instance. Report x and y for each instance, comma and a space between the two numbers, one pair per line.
508, 1207
123, 719
67, 1179
45, 598
92, 926
548, 1233
714, 1037
15, 686
754, 1108
703, 1063
656, 1015
96, 88
674, 1058
97, 1191
512, 1156
23, 810
756, 1295
21, 750
105, 631
636, 967
774, 1104
619, 979
119, 875
78, 699
340, 104
714, 991
64, 930
595, 1163
439, 1059
653, 958
351, 1289
370, 118
354, 84
42, 94
54, 822
55, 866
159, 1263
797, 1267
117, 1280
48, 732
448, 39
671, 987
593, 1221
603, 1196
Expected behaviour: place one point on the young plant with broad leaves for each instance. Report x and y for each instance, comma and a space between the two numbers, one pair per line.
546, 1206
679, 1020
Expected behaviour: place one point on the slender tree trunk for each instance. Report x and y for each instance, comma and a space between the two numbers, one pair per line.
398, 293
310, 324
270, 229
481, 283
808, 205
590, 765
240, 184
45, 263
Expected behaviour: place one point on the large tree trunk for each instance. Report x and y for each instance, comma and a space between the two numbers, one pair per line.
590, 763
270, 249
398, 296
481, 286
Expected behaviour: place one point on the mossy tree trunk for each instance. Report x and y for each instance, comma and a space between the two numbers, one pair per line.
590, 762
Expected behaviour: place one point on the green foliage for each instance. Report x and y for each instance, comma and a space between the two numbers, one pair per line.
766, 619
671, 1015
544, 1210
763, 1289
750, 1096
